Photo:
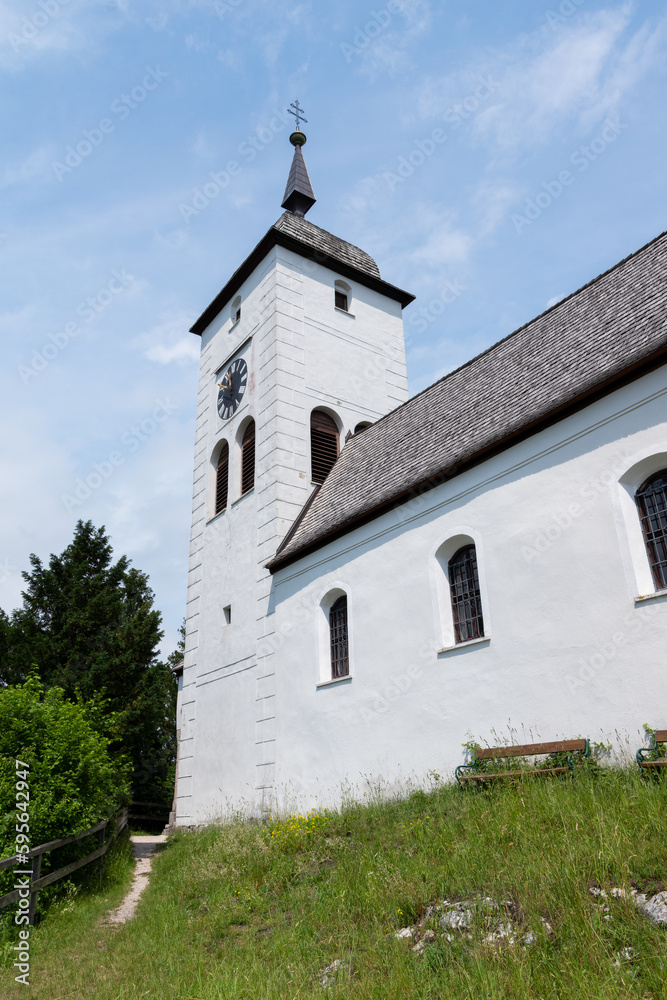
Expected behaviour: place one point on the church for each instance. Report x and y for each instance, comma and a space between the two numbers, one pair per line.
376, 580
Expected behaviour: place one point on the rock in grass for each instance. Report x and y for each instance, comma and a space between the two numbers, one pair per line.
327, 977
625, 955
655, 908
457, 918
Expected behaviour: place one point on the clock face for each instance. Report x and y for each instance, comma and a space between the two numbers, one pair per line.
231, 388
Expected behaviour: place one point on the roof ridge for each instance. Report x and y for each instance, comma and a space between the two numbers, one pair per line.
552, 367
523, 326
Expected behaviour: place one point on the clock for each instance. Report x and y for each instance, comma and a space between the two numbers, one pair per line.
231, 388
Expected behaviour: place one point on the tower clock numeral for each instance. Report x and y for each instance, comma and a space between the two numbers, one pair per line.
231, 387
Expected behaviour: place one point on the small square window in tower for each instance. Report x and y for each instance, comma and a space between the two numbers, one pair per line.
342, 296
324, 445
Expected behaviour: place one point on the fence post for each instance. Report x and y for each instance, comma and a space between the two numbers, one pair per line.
36, 869
100, 843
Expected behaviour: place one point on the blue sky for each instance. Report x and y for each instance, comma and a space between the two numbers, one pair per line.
491, 157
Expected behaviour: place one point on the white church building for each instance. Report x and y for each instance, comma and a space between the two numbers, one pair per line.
375, 580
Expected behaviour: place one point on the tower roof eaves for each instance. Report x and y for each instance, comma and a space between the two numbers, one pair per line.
295, 233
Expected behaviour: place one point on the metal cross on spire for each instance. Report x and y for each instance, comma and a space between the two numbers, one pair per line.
298, 113
299, 195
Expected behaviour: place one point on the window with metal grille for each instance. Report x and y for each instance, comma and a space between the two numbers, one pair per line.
324, 445
651, 500
222, 479
248, 459
466, 599
341, 300
236, 310
340, 659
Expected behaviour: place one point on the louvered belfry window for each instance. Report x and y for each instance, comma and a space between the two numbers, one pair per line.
340, 659
324, 445
248, 459
222, 479
466, 599
651, 500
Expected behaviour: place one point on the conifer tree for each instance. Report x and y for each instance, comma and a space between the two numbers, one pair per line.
87, 625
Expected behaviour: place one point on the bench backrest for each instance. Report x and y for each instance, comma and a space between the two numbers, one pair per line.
661, 736
560, 746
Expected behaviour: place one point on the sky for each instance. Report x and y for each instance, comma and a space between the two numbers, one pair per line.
491, 157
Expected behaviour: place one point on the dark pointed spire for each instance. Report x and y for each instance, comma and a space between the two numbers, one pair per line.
299, 195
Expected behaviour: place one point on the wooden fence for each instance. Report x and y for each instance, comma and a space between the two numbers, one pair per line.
119, 822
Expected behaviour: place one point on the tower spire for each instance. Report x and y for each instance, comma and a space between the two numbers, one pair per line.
299, 195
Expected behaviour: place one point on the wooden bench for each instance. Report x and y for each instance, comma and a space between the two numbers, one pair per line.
467, 772
660, 736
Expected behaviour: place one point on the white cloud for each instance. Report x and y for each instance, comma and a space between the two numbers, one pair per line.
36, 164
492, 200
298, 14
169, 342
204, 146
383, 41
553, 301
230, 58
570, 78
366, 196
444, 245
196, 44
158, 22
28, 31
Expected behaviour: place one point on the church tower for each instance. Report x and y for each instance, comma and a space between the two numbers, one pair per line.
301, 348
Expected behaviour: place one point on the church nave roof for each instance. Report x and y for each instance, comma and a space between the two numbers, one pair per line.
600, 337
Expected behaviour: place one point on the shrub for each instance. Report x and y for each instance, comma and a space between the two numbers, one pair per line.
73, 780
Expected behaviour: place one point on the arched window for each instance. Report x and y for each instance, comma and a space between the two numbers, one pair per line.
340, 657
465, 595
324, 445
651, 500
248, 459
222, 479
342, 296
362, 426
236, 310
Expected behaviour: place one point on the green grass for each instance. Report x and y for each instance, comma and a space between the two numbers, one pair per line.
251, 911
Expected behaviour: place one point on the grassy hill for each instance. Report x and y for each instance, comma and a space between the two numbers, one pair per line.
254, 911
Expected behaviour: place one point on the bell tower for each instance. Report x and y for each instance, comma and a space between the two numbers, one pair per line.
304, 340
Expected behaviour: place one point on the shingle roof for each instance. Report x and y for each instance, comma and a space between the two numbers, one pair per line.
319, 239
608, 332
298, 234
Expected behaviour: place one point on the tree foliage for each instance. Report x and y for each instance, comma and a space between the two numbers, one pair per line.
87, 623
73, 778
88, 626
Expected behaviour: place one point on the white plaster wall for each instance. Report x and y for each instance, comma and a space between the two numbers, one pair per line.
569, 650
209, 580
293, 339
